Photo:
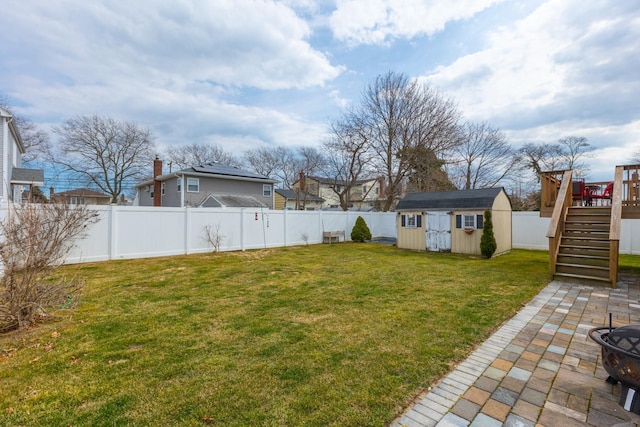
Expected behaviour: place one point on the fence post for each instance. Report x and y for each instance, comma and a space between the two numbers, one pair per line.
242, 229
113, 231
284, 226
187, 230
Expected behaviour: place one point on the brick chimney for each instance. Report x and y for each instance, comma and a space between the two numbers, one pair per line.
51, 193
157, 185
302, 181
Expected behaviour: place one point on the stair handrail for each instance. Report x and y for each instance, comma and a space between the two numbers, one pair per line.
616, 221
556, 226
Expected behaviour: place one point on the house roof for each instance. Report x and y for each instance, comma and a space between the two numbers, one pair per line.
224, 170
27, 176
231, 201
292, 195
450, 200
82, 192
332, 181
13, 128
214, 170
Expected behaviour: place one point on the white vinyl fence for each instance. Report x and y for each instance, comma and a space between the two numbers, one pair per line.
125, 232
530, 231
140, 232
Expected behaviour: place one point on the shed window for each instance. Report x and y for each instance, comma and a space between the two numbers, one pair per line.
469, 221
179, 184
412, 221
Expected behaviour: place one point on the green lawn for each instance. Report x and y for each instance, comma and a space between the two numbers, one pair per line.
345, 334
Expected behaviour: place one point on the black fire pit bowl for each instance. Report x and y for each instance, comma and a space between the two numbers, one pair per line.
621, 359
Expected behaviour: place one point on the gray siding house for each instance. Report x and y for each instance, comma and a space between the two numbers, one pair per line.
213, 185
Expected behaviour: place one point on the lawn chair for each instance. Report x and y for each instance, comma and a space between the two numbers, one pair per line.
578, 192
605, 195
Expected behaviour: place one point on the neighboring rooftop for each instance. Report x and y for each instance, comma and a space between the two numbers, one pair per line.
232, 201
81, 192
292, 195
27, 176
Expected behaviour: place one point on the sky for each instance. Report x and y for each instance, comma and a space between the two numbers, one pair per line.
246, 74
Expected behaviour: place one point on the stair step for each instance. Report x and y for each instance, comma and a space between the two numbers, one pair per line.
584, 270
595, 235
582, 279
583, 260
590, 209
585, 240
584, 251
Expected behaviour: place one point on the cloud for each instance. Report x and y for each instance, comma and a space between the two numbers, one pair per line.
235, 43
567, 64
180, 67
380, 21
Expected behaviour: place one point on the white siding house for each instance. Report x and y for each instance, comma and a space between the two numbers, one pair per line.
15, 178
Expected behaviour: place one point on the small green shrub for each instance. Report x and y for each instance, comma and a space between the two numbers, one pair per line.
488, 243
360, 231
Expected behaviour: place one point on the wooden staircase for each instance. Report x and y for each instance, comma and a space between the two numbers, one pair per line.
585, 248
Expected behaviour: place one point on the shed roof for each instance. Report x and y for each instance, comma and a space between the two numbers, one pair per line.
450, 200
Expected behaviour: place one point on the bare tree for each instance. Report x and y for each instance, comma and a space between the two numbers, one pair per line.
573, 149
36, 142
36, 240
540, 157
104, 152
636, 157
195, 154
484, 158
400, 115
567, 153
271, 162
349, 156
284, 163
213, 236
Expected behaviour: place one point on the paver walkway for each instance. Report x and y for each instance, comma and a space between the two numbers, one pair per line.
540, 368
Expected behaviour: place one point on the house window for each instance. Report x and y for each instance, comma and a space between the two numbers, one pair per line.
412, 220
266, 190
469, 221
76, 200
162, 189
193, 185
179, 184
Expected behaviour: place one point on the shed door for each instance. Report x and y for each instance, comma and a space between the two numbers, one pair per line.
438, 231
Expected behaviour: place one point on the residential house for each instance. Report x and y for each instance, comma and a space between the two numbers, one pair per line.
210, 185
297, 200
453, 220
80, 196
365, 194
16, 180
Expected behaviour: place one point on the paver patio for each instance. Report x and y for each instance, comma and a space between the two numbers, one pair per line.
540, 368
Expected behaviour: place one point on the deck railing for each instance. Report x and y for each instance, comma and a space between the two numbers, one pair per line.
556, 226
550, 184
630, 197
